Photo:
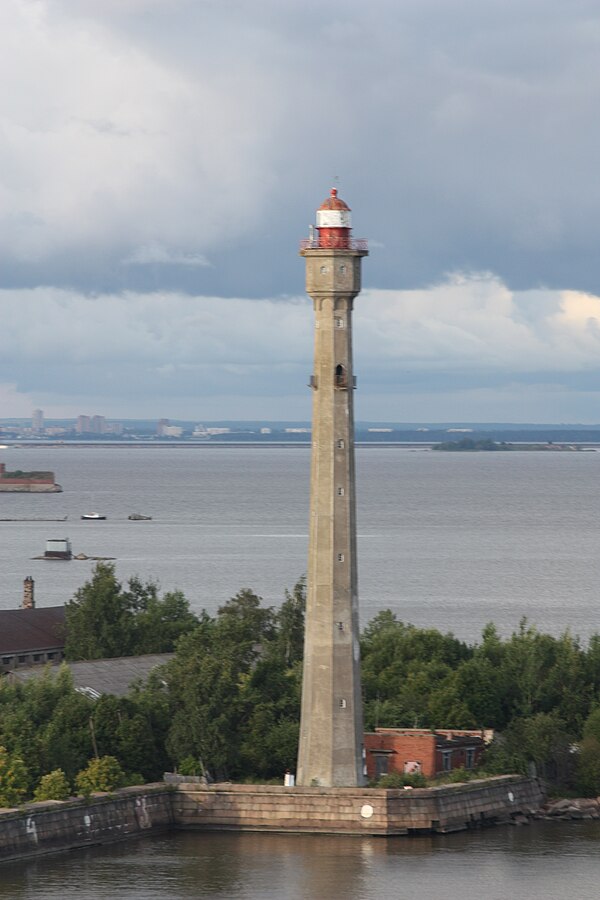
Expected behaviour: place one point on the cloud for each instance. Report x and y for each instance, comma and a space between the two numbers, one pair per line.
462, 340
159, 160
13, 402
475, 323
151, 254
465, 135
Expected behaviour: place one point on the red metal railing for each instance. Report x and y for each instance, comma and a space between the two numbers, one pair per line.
353, 244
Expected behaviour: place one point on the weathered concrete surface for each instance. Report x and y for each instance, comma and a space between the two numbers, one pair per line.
355, 810
331, 726
54, 825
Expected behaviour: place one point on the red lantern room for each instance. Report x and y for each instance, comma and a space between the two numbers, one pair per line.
334, 223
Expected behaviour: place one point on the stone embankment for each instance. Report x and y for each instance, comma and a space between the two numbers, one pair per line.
372, 811
54, 825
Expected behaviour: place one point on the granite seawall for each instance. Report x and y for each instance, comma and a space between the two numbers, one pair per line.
57, 826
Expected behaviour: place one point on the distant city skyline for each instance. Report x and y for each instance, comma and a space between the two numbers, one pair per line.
151, 212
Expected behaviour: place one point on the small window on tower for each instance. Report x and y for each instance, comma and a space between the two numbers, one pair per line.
343, 704
340, 491
342, 269
340, 445
339, 323
340, 557
323, 270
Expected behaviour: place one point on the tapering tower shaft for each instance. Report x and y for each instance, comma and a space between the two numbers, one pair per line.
331, 729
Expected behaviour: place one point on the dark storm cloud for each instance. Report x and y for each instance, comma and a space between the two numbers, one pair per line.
465, 135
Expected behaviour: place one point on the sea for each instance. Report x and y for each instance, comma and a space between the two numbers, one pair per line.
445, 540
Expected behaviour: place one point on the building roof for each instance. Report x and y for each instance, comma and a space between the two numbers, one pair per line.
445, 742
103, 676
333, 201
41, 628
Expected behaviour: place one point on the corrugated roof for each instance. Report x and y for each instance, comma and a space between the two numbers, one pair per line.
103, 676
22, 630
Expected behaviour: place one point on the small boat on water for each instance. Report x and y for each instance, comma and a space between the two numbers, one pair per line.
138, 517
93, 517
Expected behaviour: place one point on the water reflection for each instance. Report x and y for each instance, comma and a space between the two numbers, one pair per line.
545, 861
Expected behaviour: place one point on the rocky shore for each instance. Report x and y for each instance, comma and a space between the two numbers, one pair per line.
581, 808
564, 810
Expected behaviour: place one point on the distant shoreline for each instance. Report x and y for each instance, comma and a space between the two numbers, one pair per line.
512, 446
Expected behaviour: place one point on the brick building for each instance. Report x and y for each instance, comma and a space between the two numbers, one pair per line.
413, 750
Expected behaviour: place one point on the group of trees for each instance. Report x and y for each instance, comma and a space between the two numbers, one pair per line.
538, 692
228, 701
105, 620
229, 698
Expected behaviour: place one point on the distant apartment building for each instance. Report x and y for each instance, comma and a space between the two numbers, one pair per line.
95, 425
37, 421
98, 425
83, 425
173, 431
161, 425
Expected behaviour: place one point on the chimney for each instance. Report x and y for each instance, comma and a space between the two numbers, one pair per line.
28, 598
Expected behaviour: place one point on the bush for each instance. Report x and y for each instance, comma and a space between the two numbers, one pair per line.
102, 775
53, 786
399, 780
456, 776
189, 765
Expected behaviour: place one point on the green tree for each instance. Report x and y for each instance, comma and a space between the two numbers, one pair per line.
591, 726
588, 767
53, 786
99, 618
101, 775
13, 779
541, 739
289, 624
104, 620
161, 622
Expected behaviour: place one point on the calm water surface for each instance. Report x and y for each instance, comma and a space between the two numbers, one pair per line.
545, 861
446, 540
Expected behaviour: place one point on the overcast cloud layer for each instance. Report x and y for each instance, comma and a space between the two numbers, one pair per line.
159, 160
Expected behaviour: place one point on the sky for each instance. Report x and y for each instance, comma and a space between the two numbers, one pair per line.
161, 159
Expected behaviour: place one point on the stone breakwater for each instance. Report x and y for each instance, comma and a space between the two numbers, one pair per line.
64, 825
561, 810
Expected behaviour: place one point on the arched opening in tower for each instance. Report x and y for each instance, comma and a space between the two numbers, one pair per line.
341, 377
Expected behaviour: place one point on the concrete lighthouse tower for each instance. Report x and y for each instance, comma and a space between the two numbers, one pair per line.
331, 728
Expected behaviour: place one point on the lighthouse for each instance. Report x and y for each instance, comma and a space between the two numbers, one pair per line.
331, 726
